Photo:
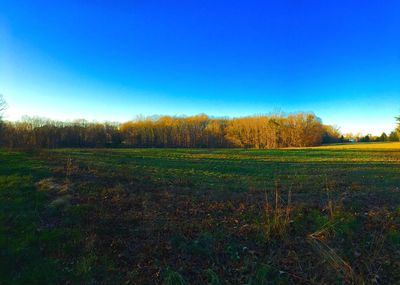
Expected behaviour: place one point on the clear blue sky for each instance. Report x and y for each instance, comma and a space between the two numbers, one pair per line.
112, 60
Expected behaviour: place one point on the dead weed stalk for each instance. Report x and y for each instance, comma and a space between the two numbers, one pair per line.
277, 213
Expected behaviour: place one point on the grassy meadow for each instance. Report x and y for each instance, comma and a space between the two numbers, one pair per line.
324, 215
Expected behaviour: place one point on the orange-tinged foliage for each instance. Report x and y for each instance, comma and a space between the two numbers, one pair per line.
263, 131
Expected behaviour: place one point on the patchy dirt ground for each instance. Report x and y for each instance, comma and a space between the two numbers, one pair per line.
216, 216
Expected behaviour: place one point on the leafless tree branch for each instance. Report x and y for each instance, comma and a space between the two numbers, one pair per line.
3, 105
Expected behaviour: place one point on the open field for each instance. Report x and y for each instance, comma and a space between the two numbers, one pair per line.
372, 145
326, 215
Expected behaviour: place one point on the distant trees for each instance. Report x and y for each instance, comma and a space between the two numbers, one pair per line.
302, 129
384, 137
3, 107
394, 136
367, 138
264, 131
166, 131
43, 133
370, 138
248, 132
332, 134
200, 131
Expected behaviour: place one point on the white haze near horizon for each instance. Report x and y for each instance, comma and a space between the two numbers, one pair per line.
351, 124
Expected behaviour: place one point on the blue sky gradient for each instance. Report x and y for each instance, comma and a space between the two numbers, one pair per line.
113, 60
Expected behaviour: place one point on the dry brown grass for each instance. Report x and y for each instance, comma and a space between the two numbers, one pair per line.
371, 145
359, 145
277, 213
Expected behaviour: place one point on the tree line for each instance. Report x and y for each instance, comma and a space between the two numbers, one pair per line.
263, 131
391, 137
200, 131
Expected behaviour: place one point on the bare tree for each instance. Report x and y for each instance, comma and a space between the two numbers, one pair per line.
3, 105
398, 124
261, 131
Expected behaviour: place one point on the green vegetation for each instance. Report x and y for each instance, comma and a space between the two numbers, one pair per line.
34, 241
201, 216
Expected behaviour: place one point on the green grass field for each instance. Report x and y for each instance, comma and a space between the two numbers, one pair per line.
326, 215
